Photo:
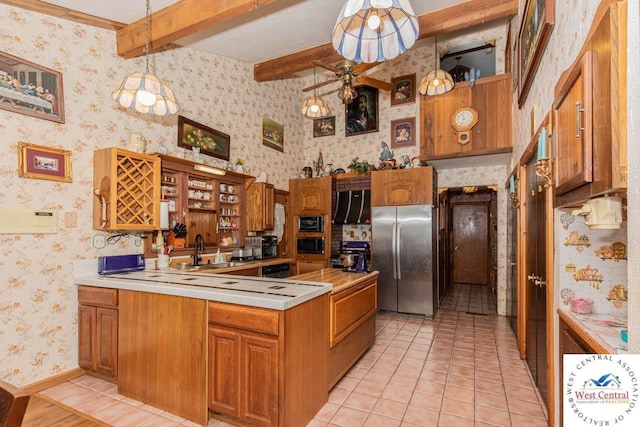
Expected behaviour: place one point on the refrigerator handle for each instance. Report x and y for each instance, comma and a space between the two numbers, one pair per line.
398, 259
393, 249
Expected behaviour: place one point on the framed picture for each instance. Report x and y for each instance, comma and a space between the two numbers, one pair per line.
404, 90
403, 132
361, 115
30, 89
212, 142
272, 134
324, 127
36, 161
535, 29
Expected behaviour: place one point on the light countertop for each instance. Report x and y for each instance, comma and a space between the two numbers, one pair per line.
341, 280
273, 293
600, 331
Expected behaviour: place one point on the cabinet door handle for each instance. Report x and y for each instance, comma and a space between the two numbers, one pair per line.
578, 121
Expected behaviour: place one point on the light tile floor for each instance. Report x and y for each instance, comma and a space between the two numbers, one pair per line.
475, 299
458, 369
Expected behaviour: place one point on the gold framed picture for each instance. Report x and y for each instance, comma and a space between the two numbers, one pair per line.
39, 162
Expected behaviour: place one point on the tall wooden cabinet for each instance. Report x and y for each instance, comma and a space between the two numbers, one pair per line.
260, 206
98, 330
590, 113
126, 188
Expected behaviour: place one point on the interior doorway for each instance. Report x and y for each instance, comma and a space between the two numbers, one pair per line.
471, 235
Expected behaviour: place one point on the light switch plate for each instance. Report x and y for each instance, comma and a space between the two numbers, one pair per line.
70, 219
99, 241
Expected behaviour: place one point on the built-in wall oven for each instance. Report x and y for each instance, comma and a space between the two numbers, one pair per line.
310, 245
311, 224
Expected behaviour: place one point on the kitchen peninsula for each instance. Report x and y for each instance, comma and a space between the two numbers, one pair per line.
255, 349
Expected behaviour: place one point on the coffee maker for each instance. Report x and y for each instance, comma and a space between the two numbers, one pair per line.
361, 250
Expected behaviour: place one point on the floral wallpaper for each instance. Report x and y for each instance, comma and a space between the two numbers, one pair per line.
38, 300
591, 264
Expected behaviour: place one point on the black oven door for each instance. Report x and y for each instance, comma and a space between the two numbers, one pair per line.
311, 224
310, 245
269, 247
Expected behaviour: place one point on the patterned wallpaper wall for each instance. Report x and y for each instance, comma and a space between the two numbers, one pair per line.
38, 303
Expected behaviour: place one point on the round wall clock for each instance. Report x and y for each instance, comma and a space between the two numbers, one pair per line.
463, 120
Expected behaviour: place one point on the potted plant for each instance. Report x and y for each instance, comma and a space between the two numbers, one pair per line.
239, 163
360, 167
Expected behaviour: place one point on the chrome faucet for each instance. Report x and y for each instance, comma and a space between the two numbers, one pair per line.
198, 244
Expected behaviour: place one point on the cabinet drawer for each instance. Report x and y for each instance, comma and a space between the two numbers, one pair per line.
350, 308
104, 297
249, 318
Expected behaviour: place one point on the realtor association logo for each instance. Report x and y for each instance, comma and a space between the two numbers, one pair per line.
601, 390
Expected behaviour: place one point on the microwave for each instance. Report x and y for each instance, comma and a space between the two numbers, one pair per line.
310, 245
311, 224
269, 247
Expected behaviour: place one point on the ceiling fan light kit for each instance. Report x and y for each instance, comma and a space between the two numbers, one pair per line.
144, 92
375, 30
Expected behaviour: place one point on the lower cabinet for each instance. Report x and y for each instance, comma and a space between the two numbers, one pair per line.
98, 330
246, 371
308, 266
268, 367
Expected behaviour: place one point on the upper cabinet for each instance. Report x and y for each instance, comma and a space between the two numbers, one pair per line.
590, 113
467, 121
126, 186
399, 187
311, 196
260, 206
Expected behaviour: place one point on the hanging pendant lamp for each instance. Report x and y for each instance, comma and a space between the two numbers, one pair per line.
375, 30
437, 81
144, 92
314, 107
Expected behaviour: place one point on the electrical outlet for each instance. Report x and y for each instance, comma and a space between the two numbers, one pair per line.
99, 241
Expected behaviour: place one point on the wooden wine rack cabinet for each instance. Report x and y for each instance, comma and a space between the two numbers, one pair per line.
126, 188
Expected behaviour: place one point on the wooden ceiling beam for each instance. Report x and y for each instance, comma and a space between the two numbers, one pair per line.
179, 20
458, 17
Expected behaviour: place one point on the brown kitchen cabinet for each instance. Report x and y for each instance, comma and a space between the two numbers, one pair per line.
398, 187
126, 188
260, 206
491, 97
98, 330
268, 367
311, 196
307, 265
590, 114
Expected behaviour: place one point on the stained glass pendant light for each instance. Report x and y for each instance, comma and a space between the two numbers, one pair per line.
144, 92
314, 107
437, 81
375, 30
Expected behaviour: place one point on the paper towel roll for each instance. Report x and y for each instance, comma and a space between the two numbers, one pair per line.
164, 214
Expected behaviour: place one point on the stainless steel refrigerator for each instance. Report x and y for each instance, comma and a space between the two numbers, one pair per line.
405, 253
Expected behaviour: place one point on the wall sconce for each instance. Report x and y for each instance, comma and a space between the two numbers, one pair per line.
544, 166
513, 194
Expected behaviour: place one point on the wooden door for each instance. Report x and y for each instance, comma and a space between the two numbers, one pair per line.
512, 267
224, 371
470, 243
259, 380
86, 336
573, 129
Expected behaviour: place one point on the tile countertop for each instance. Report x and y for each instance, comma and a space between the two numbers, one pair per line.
273, 293
341, 280
601, 331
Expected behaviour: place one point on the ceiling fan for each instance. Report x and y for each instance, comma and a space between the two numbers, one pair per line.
349, 72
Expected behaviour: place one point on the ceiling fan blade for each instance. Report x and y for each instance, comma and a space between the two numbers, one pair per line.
327, 66
364, 66
307, 89
374, 82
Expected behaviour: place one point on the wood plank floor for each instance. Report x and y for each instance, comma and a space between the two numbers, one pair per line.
43, 412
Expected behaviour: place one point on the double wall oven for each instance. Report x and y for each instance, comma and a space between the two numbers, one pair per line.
308, 235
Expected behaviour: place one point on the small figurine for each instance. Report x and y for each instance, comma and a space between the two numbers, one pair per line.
319, 165
406, 161
471, 76
386, 153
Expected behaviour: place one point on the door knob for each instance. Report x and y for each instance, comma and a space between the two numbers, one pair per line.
455, 249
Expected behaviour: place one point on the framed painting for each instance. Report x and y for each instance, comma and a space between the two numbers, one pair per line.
272, 134
30, 89
361, 115
39, 162
325, 126
404, 90
535, 30
211, 142
403, 132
